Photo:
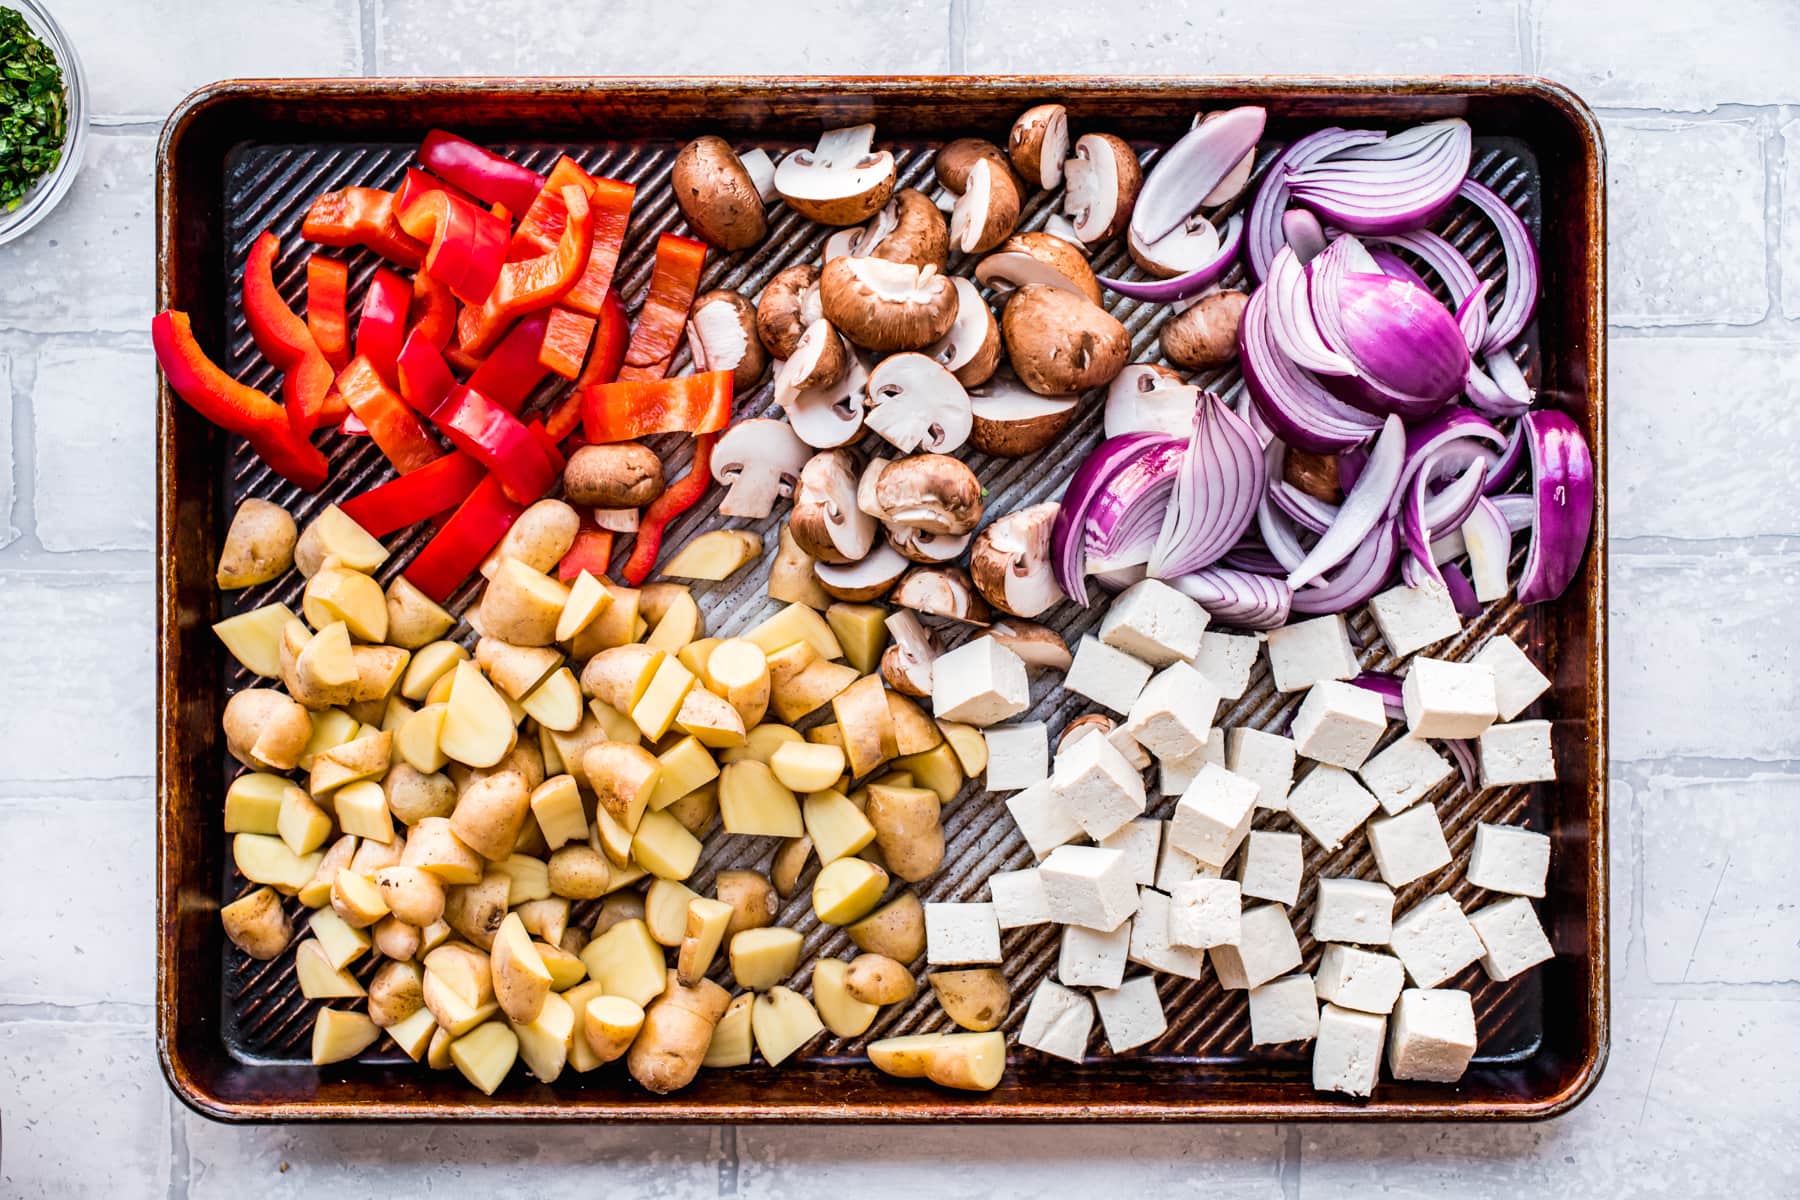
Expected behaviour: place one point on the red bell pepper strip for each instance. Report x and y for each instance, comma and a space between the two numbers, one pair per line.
327, 298
234, 406
284, 339
434, 488
610, 201
632, 409
467, 245
591, 551
362, 217
425, 380
676, 499
603, 363
480, 172
664, 315
531, 283
395, 427
381, 325
541, 226
488, 433
433, 311
567, 335
418, 182
454, 552
512, 372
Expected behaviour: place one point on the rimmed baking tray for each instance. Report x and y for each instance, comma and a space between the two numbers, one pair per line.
242, 156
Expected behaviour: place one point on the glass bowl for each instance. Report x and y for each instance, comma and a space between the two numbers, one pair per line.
48, 191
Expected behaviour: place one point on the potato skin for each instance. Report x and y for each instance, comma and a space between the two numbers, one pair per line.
751, 896
878, 979
541, 536
677, 1029
258, 925
978, 1000
896, 929
621, 475
259, 545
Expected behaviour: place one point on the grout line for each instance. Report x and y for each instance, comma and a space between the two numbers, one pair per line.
1528, 41
120, 1014
27, 556
1719, 112
370, 46
127, 123
1288, 1171
1771, 328
728, 1160
957, 49
1649, 546
180, 1163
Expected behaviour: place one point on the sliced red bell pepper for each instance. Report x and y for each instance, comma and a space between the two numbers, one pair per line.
631, 409
676, 499
425, 381
480, 172
467, 245
531, 283
233, 406
591, 551
610, 201
567, 335
395, 427
434, 488
362, 217
327, 300
284, 339
418, 182
603, 363
454, 552
512, 372
664, 315
488, 433
381, 325
433, 311
541, 226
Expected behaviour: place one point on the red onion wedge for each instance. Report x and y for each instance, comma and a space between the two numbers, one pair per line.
1220, 481
1238, 598
1303, 509
1519, 510
1292, 400
1367, 506
1193, 167
1365, 573
1192, 283
1272, 198
1562, 482
1462, 594
1472, 317
1407, 349
1397, 184
1291, 323
1305, 237
1520, 298
1423, 515
1125, 519
1252, 557
1443, 427
1444, 260
1489, 396
1068, 537
1489, 543
1462, 752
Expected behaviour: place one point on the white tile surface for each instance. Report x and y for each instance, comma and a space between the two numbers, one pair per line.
8, 471
1628, 54
87, 407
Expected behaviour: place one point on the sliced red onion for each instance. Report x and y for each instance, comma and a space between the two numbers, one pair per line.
1238, 598
1504, 370
1068, 536
1365, 573
1472, 317
1462, 595
1407, 349
1421, 513
1445, 261
1266, 211
1305, 237
1562, 481
1462, 752
1118, 580
1218, 486
1291, 323
1387, 687
1489, 397
1292, 400
1520, 510
1392, 264
1520, 298
1489, 543
1438, 430
1278, 535
1252, 556
1398, 184
1305, 510
1192, 283
1449, 508
1368, 505
1125, 518
1192, 167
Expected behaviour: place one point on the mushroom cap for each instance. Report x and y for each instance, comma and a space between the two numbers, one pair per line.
1038, 645
904, 673
922, 546
865, 579
1206, 334
1010, 420
909, 229
1059, 343
614, 475
914, 402
1103, 182
760, 461
906, 664
866, 488
987, 211
1084, 726
885, 306
1040, 258
717, 194
955, 159
781, 312
1010, 561
930, 492
826, 522
971, 350
818, 361
840, 181
840, 243
1038, 144
941, 592
833, 415
722, 337
1188, 247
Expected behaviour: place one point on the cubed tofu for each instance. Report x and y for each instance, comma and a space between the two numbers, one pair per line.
1018, 898
1284, 1010
1267, 759
1432, 1035
1140, 840
1090, 886
1125, 744
1131, 1013
1043, 818
1175, 865
1512, 938
1309, 652
1058, 1021
1018, 755
1435, 940
1266, 948
1228, 659
1353, 910
1517, 752
1090, 958
1204, 913
1448, 699
1175, 775
958, 935
1411, 619
1404, 773
1347, 1054
1360, 979
1150, 945
980, 682
1517, 681
1329, 804
1172, 717
1409, 845
1271, 866
1509, 859
1213, 816
1154, 623
1339, 723
1110, 678
1097, 786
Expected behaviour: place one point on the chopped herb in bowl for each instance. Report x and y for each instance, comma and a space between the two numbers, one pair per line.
33, 109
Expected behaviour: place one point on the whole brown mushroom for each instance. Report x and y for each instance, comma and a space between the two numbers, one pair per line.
886, 306
789, 303
1059, 343
931, 492
1206, 335
717, 194
955, 159
617, 475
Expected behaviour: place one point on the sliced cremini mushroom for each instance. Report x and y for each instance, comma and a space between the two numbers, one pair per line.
1010, 561
941, 592
1057, 225
1059, 343
1103, 182
789, 303
842, 180
866, 579
906, 664
909, 229
621, 520
955, 159
818, 361
1084, 726
840, 243
923, 546
1188, 247
1149, 397
987, 211
760, 461
1009, 420
761, 169
1040, 258
826, 522
831, 415
717, 194
866, 487
971, 350
930, 492
886, 306
722, 337
1038, 645
1038, 144
917, 404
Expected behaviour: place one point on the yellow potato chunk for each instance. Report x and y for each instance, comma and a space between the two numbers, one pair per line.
254, 638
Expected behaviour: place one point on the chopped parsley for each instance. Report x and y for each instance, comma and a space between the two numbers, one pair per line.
33, 109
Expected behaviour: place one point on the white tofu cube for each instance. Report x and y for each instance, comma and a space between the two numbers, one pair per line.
1353, 910
1090, 958
1266, 948
1150, 945
1272, 866
1153, 622
1228, 660
1284, 1010
1360, 979
1098, 787
1058, 1021
1265, 758
1131, 1013
1348, 1052
1018, 756
1408, 846
1174, 713
1518, 752
1512, 938
1174, 775
1448, 699
1339, 723
1125, 744
1204, 913
1043, 818
1175, 865
1510, 859
1308, 652
1517, 681
1432, 1035
1435, 940
1411, 619
1329, 804
1213, 815
980, 682
958, 935
1140, 841
1019, 898
1404, 773
1110, 678
1089, 886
